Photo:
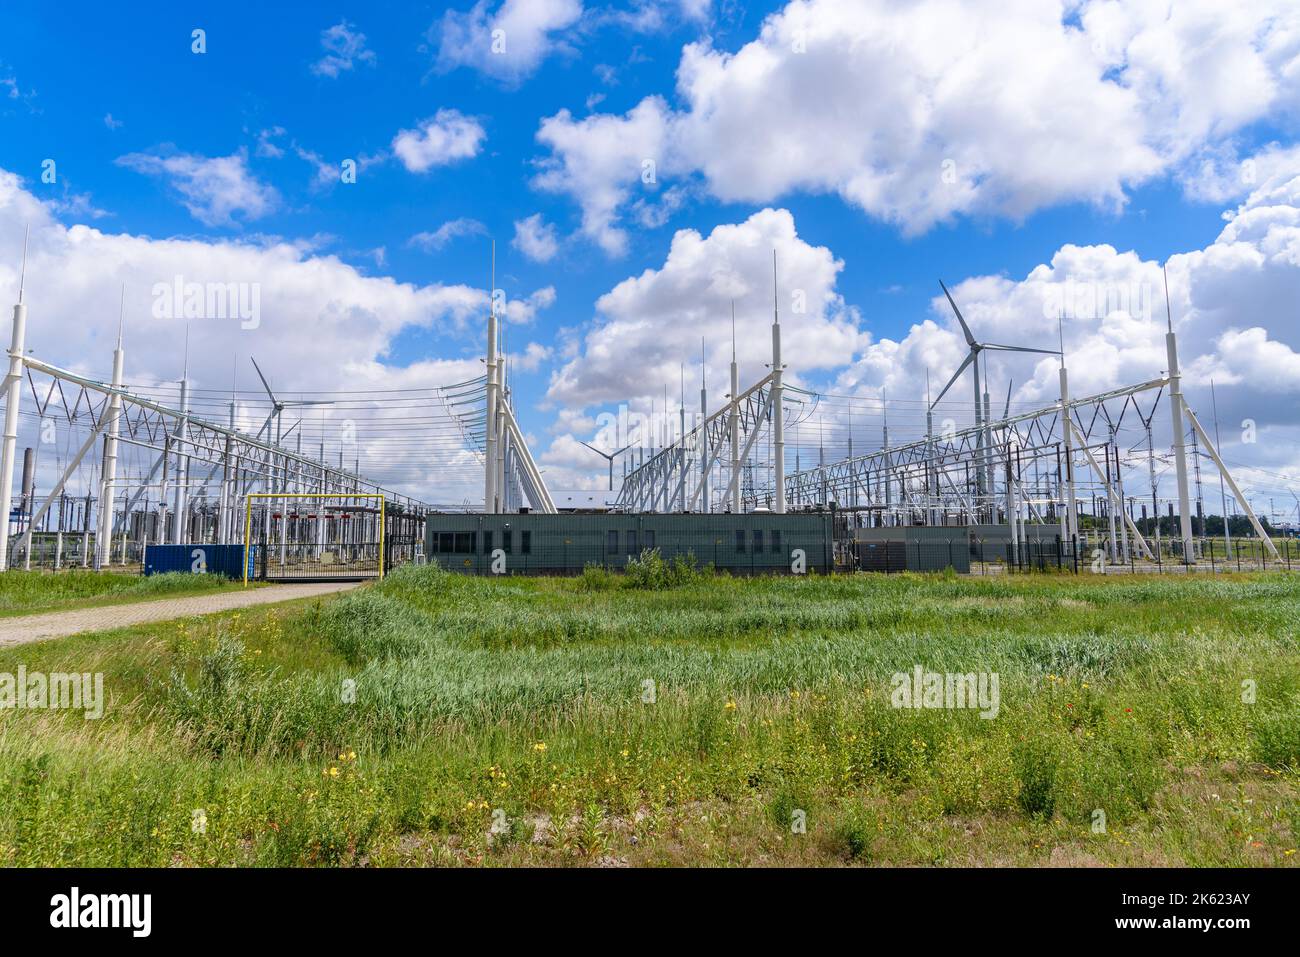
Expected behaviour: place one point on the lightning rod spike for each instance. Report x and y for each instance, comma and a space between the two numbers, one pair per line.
1169, 315
22, 276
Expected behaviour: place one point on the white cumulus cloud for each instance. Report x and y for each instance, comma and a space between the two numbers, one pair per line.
214, 189
919, 112
601, 159
507, 41
648, 324
444, 138
535, 238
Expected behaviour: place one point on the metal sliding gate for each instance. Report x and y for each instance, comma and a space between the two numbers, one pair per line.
335, 537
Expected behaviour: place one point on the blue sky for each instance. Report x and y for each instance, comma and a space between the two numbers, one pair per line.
264, 91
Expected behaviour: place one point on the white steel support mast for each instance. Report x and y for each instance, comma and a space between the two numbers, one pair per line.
490, 492
704, 432
735, 419
1180, 444
1071, 507
778, 420
104, 530
508, 464
181, 508
13, 389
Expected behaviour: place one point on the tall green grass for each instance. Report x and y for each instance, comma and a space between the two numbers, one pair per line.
30, 591
387, 725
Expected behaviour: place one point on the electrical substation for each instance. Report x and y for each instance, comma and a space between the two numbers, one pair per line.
772, 477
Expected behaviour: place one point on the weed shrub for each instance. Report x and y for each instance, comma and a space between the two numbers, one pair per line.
597, 578
1037, 762
788, 804
856, 832
209, 706
650, 571
1277, 740
225, 706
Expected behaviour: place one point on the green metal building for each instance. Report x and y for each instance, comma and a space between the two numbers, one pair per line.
538, 544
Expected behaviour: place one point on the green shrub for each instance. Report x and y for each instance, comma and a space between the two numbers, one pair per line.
856, 832
785, 802
596, 577
651, 571
207, 705
1277, 740
1037, 763
1120, 775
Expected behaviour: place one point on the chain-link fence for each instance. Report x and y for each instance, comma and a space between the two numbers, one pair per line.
994, 556
1208, 555
51, 551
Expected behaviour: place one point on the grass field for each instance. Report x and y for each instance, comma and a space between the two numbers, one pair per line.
677, 719
23, 593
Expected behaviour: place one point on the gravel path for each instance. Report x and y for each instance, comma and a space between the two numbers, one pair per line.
56, 624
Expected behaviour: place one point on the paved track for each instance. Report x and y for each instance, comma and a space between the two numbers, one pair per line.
56, 624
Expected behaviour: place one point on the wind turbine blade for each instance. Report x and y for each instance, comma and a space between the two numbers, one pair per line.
1007, 408
266, 385
288, 402
970, 357
970, 339
594, 449
1002, 348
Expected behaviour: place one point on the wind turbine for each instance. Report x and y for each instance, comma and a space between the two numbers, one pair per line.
279, 405
972, 359
609, 456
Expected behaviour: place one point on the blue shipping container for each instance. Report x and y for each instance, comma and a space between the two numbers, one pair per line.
225, 560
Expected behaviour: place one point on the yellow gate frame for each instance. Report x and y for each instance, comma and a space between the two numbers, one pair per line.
248, 516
